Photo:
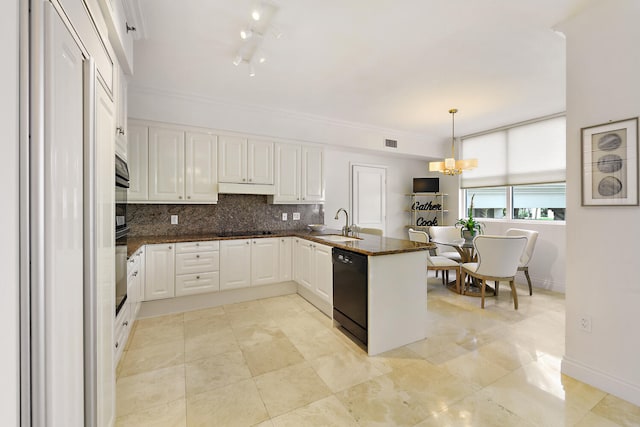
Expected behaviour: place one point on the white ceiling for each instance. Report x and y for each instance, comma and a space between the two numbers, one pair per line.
397, 64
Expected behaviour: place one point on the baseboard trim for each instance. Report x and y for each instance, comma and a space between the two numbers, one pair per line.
213, 299
603, 381
319, 303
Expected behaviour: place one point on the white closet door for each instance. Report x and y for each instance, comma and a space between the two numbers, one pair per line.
368, 194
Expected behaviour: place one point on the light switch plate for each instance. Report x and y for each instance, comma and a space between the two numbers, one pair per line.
284, 216
296, 216
174, 219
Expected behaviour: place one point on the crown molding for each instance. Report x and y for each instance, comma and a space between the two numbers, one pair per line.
295, 115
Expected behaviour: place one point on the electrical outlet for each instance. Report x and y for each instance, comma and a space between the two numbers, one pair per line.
296, 216
585, 324
284, 216
174, 219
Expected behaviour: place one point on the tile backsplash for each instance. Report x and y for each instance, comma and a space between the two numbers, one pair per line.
234, 212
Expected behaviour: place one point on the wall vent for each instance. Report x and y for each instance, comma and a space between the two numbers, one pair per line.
392, 143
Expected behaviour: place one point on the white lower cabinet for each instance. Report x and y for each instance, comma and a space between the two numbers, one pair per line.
249, 262
235, 261
160, 272
285, 249
121, 332
314, 268
197, 268
323, 283
135, 282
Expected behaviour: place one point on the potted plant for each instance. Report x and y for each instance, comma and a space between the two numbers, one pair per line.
469, 227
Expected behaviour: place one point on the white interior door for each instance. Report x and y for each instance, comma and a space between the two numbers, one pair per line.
368, 196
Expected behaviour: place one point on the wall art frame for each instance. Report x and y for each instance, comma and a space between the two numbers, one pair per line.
610, 164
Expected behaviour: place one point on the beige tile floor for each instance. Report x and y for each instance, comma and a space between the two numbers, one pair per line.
279, 362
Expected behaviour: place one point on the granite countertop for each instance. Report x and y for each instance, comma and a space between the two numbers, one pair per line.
367, 244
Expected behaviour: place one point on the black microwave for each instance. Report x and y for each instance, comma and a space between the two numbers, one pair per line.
122, 185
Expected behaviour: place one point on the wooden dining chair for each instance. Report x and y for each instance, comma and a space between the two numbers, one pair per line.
436, 262
498, 258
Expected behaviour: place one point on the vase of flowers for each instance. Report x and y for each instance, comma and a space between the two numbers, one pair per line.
469, 227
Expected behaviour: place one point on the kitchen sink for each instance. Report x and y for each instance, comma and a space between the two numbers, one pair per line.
337, 238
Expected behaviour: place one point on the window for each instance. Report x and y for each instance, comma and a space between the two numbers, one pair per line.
541, 202
521, 171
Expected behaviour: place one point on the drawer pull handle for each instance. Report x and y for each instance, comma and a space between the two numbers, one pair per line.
197, 256
125, 323
116, 345
197, 277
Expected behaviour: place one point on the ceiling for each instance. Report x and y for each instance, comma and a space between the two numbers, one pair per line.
395, 64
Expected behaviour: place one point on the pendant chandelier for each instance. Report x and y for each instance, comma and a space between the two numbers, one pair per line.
451, 166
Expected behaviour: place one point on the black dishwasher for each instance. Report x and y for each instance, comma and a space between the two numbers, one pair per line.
350, 292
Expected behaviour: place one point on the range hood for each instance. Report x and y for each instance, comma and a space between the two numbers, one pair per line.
234, 188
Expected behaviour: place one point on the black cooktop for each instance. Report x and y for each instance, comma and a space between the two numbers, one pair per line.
244, 233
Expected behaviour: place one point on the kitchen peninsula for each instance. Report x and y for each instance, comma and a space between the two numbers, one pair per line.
396, 301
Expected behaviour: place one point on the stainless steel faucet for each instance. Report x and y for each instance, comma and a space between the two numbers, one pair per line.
345, 229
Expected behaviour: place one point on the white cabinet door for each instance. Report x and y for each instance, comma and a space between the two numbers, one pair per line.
305, 264
288, 172
235, 259
259, 161
285, 247
323, 283
120, 91
166, 164
265, 254
160, 272
137, 158
201, 167
312, 174
232, 159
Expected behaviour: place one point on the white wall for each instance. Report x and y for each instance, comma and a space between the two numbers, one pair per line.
603, 69
548, 265
9, 250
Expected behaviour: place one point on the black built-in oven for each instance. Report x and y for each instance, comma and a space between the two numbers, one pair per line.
122, 184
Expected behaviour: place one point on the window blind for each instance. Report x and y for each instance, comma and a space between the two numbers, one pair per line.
532, 153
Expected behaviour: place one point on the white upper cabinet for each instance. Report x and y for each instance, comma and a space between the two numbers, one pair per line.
245, 161
288, 173
166, 164
299, 174
312, 174
172, 165
201, 167
259, 161
120, 31
138, 161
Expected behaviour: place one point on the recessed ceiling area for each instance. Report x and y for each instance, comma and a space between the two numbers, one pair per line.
396, 64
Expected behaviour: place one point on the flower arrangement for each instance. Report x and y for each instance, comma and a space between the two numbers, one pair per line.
469, 223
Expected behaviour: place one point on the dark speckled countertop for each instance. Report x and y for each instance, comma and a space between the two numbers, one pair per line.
368, 244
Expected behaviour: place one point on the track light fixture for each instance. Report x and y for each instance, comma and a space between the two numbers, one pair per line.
253, 35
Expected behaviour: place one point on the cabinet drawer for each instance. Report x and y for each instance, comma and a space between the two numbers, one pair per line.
201, 262
189, 284
189, 247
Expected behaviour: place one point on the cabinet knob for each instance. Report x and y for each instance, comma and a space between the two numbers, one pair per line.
131, 261
250, 180
169, 247
247, 243
180, 197
116, 345
135, 273
303, 198
188, 197
197, 256
125, 323
243, 179
197, 244
197, 277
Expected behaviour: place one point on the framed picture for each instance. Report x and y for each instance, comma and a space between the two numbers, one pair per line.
610, 164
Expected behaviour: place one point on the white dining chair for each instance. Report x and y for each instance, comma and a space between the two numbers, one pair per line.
436, 262
532, 238
446, 233
498, 258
